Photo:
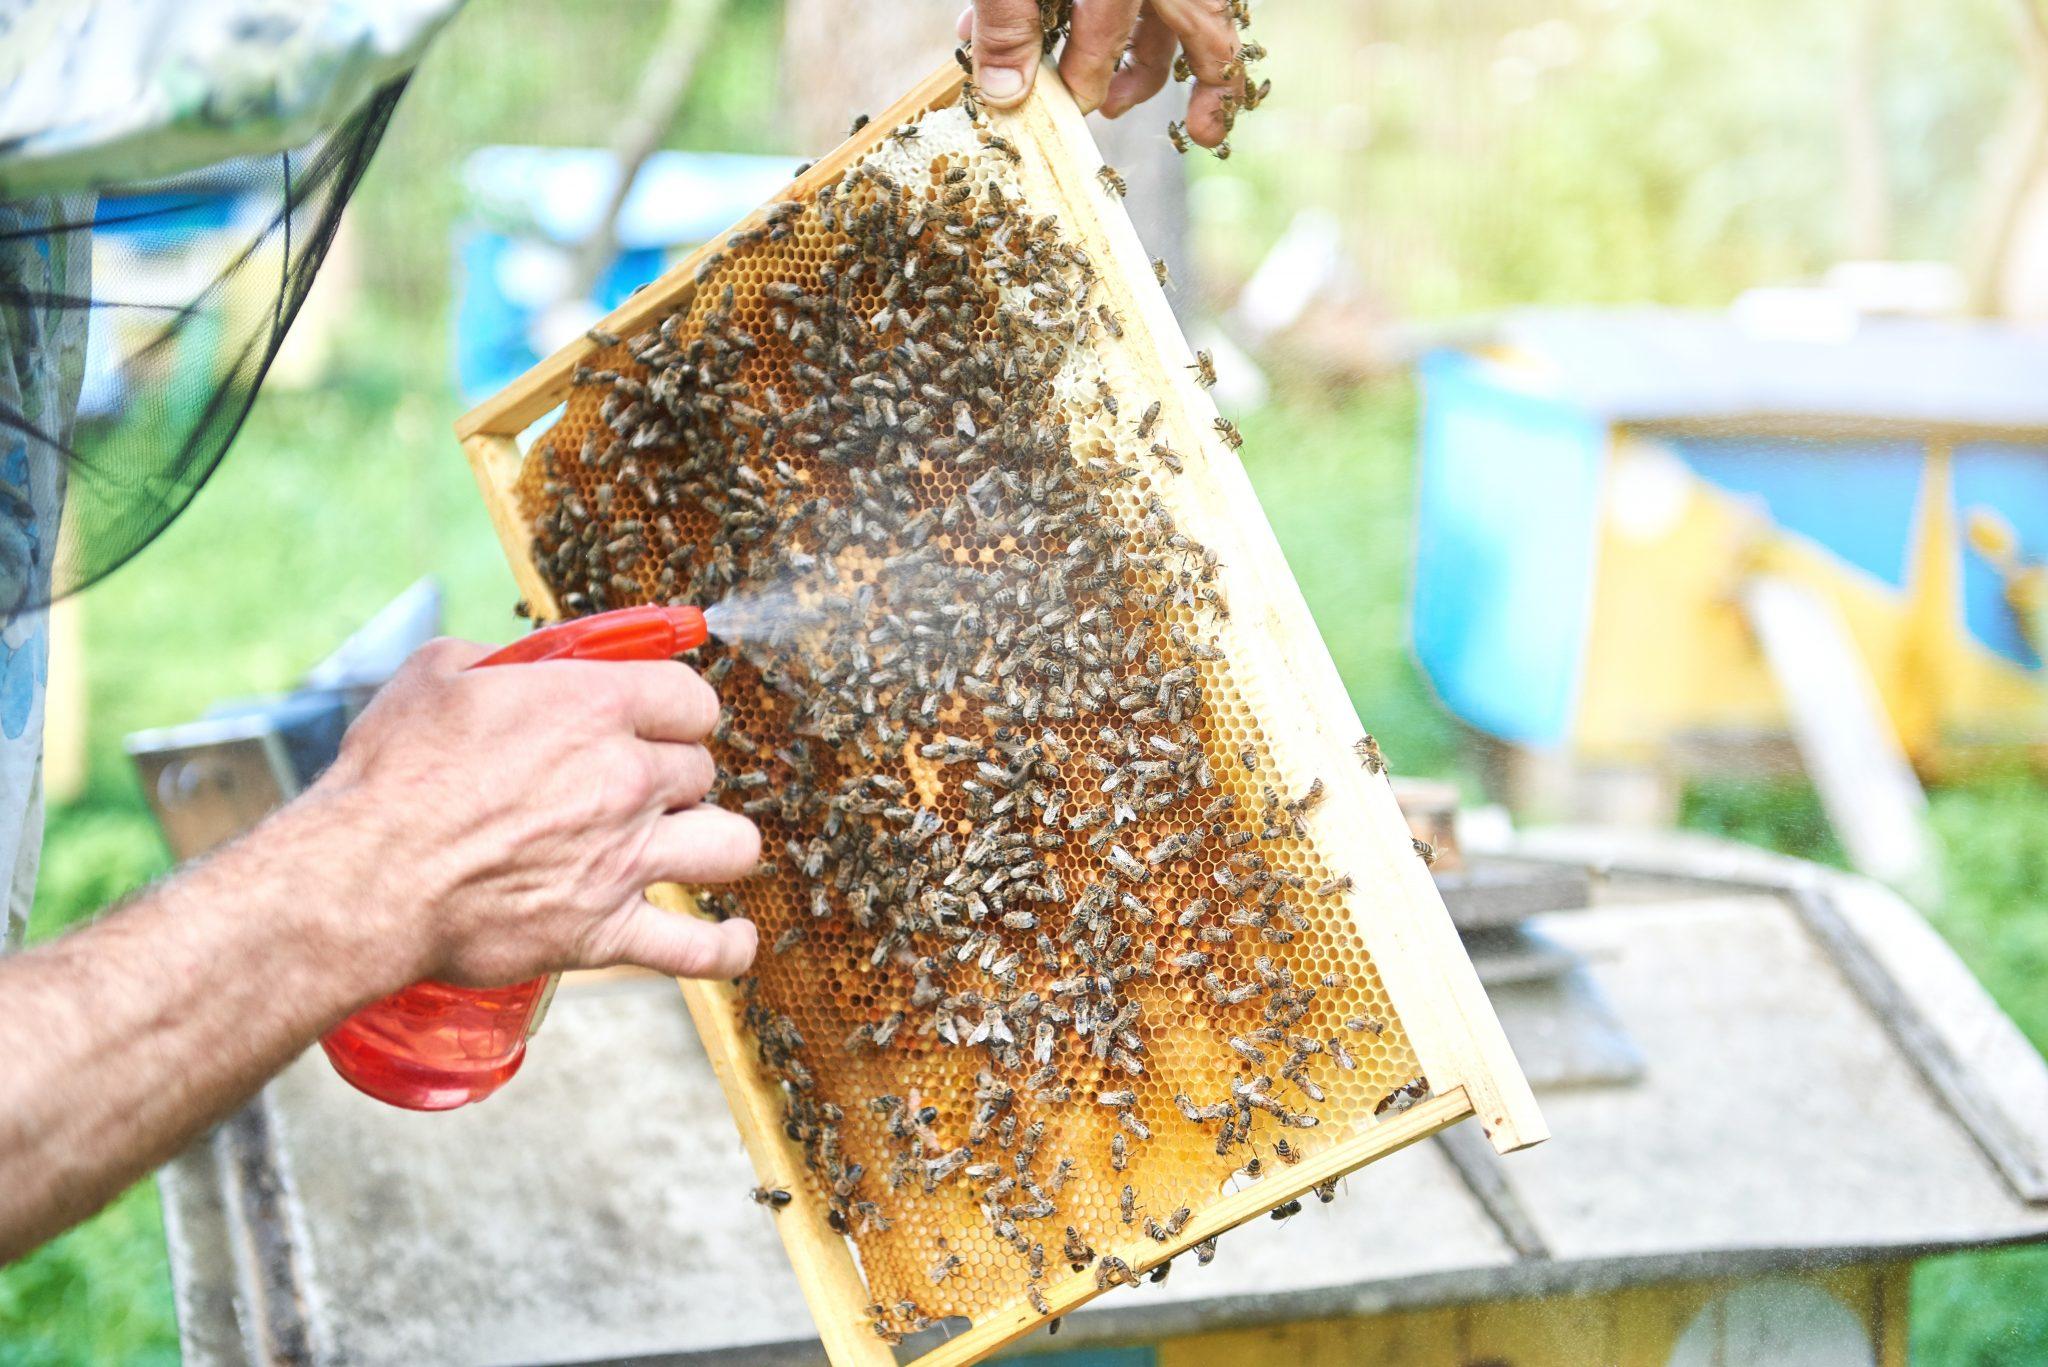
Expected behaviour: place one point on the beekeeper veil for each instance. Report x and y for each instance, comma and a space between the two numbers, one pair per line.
171, 174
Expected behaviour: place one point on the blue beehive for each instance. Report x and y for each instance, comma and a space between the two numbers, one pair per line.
1597, 485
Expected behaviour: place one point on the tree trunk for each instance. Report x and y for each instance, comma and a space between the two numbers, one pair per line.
1869, 236
664, 83
2016, 162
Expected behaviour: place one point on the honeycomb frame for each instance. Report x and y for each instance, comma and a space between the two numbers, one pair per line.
1305, 716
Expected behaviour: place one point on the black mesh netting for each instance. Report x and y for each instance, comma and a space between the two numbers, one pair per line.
194, 283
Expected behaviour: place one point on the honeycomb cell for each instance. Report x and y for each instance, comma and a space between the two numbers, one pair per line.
1040, 922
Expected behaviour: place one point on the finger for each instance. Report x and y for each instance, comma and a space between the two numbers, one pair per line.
1209, 39
680, 944
660, 699
1007, 42
699, 846
1207, 36
1207, 123
1151, 62
682, 775
1095, 44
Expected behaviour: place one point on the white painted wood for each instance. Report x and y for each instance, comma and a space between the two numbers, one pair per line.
1872, 797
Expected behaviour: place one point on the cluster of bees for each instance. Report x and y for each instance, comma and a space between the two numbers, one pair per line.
1048, 956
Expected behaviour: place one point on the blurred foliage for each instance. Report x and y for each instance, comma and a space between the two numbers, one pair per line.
1336, 476
1502, 152
1981, 1309
1993, 837
1784, 815
552, 73
100, 1294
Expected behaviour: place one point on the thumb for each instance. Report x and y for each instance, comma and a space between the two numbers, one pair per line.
681, 945
1007, 45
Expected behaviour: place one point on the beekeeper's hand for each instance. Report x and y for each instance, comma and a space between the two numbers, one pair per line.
483, 826
523, 809
1007, 44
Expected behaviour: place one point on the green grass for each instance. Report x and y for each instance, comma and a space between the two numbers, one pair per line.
100, 1294
1782, 815
1335, 475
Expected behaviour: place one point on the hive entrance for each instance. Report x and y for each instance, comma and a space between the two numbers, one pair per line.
1055, 937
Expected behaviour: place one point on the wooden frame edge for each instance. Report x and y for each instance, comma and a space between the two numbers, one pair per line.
825, 1268
1278, 1187
1422, 962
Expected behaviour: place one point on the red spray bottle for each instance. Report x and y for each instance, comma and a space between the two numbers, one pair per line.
435, 1046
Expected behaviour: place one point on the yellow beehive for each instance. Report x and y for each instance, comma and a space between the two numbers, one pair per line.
1090, 926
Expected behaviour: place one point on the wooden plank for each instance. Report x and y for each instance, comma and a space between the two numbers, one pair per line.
1279, 1186
511, 409
1849, 745
1285, 667
1557, 1331
495, 461
1491, 891
1478, 1167
1892, 1294
2016, 1153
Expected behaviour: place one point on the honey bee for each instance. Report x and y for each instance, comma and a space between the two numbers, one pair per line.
1111, 1272
1177, 134
1402, 1097
775, 1198
1113, 181
1205, 369
1227, 430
